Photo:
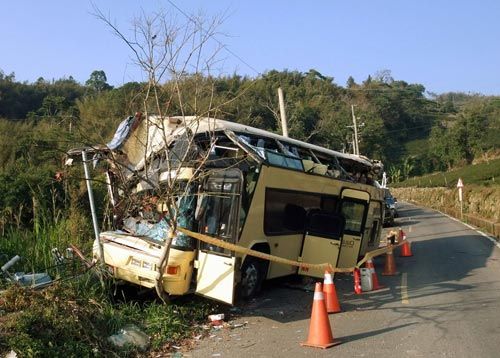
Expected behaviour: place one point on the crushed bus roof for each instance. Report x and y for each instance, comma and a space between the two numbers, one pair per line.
143, 137
161, 133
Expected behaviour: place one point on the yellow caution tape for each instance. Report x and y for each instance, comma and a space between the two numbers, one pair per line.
246, 251
382, 250
377, 252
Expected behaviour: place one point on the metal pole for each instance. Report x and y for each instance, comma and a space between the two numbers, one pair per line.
356, 145
91, 200
284, 125
110, 189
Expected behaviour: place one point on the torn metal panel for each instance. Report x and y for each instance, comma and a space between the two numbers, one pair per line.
240, 143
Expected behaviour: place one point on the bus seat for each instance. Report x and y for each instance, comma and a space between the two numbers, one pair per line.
308, 165
295, 217
312, 212
325, 224
320, 169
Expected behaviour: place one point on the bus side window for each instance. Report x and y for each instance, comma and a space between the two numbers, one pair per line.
329, 204
325, 224
285, 211
353, 213
295, 217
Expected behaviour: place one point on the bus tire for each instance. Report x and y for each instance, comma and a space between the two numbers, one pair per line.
252, 276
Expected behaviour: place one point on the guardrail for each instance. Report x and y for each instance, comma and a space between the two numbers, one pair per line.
491, 227
487, 225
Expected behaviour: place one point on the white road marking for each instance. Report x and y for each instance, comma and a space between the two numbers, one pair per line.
409, 228
492, 239
404, 289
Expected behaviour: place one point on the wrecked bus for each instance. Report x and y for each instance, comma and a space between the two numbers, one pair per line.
239, 184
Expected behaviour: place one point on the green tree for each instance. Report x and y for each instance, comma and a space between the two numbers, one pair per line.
53, 105
98, 81
350, 82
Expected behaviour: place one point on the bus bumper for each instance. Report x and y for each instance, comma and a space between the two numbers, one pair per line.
135, 260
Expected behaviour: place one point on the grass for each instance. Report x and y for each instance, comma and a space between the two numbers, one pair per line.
74, 316
34, 246
74, 319
486, 173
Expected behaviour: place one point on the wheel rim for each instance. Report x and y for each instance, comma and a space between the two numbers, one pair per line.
250, 280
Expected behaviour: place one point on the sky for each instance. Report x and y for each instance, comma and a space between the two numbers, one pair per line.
446, 45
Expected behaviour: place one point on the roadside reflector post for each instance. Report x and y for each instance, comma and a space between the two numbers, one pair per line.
460, 186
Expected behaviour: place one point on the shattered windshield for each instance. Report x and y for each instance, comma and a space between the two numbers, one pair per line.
153, 219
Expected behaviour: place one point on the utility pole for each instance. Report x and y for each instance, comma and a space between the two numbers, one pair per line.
284, 125
356, 144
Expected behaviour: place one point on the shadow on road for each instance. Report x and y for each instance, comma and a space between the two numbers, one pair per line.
446, 260
374, 333
443, 258
446, 284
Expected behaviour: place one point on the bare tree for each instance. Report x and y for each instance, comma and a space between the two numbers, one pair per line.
172, 55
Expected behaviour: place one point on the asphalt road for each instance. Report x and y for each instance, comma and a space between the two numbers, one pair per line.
445, 302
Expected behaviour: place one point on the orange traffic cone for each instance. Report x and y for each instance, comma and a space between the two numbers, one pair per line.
375, 284
320, 332
405, 249
331, 300
390, 264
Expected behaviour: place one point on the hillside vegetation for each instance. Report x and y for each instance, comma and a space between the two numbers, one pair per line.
411, 131
481, 193
486, 173
480, 206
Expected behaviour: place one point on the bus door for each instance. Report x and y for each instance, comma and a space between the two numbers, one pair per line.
322, 241
354, 208
217, 213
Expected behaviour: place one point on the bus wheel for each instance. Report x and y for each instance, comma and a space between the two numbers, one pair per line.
252, 275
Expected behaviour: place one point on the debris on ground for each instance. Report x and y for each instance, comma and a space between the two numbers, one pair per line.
43, 279
35, 280
130, 334
238, 325
216, 319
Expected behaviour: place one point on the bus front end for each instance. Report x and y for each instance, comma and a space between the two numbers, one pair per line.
135, 259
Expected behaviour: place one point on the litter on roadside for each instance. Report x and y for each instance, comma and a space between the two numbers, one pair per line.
216, 319
238, 325
34, 280
130, 334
